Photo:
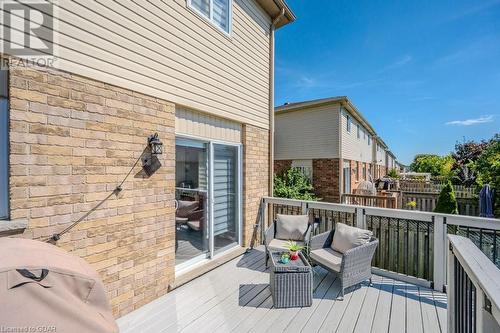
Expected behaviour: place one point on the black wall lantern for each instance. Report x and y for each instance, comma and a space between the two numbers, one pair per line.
155, 148
155, 144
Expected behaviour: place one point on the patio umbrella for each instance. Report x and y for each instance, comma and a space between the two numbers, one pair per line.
46, 289
486, 202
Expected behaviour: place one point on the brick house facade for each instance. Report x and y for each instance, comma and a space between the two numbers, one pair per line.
72, 140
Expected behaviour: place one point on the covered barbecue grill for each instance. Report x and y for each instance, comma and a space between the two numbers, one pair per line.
43, 288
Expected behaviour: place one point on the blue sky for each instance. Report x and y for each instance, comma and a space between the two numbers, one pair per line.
424, 73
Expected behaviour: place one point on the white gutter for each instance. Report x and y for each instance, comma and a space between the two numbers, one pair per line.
271, 96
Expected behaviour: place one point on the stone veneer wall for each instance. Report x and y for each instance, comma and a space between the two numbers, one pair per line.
72, 141
326, 179
255, 175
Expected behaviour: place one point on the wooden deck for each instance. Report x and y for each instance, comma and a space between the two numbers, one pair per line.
235, 298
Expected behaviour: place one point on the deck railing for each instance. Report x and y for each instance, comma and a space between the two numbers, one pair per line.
473, 289
370, 200
412, 244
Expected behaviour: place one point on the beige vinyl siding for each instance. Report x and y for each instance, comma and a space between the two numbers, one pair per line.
165, 49
205, 126
307, 134
353, 148
380, 156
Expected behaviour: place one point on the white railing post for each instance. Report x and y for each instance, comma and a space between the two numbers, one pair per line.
450, 290
305, 208
360, 218
439, 277
263, 218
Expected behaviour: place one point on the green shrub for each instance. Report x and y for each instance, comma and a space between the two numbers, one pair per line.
393, 173
293, 184
447, 202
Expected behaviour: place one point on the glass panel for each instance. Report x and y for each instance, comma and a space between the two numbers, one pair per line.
191, 215
225, 189
347, 177
220, 14
203, 6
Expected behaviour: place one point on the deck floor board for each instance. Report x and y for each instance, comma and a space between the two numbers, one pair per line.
235, 297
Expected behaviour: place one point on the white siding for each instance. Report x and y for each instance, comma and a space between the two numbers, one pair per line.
165, 49
307, 134
380, 156
201, 125
352, 147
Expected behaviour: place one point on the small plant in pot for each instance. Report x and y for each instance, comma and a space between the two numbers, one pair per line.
285, 257
294, 249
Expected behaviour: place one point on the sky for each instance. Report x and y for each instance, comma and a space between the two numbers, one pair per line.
425, 74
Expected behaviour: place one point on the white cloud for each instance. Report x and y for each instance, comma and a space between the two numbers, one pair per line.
469, 122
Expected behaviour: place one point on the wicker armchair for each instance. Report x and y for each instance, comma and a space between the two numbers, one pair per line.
275, 244
352, 267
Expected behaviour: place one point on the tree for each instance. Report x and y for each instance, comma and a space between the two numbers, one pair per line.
447, 202
465, 155
434, 164
293, 184
487, 168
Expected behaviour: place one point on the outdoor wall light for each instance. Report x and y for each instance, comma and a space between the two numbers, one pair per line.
155, 148
155, 144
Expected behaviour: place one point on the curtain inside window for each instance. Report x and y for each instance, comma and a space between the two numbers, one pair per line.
203, 6
221, 13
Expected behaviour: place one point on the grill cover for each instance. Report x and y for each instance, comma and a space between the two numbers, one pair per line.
44, 288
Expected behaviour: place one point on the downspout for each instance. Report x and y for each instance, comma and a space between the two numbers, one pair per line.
271, 97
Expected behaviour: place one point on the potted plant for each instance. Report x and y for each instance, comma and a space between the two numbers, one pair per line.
294, 249
285, 257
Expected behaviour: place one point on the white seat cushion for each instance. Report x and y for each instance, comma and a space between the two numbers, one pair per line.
346, 237
327, 257
291, 227
280, 245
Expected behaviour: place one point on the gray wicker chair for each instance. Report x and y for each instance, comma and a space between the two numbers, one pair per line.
352, 267
274, 244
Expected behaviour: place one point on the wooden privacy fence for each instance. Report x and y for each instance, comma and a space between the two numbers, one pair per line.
418, 186
412, 244
370, 200
426, 202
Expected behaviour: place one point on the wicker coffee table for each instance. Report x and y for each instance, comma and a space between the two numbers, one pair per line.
291, 283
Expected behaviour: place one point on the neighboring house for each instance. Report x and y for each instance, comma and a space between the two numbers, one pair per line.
197, 72
332, 142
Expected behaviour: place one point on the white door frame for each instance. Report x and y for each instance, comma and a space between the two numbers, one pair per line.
211, 247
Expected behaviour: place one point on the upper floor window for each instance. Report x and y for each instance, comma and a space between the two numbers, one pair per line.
348, 123
218, 12
359, 131
369, 140
4, 145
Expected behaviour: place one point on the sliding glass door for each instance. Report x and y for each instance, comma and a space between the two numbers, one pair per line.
191, 200
225, 195
208, 199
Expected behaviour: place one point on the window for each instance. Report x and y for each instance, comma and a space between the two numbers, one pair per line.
364, 134
218, 12
348, 123
4, 145
359, 132
364, 172
357, 169
369, 140
305, 166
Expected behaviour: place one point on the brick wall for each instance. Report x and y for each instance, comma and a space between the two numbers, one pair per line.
255, 174
281, 165
326, 179
72, 141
